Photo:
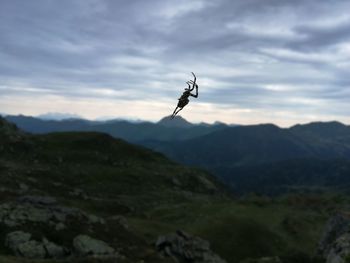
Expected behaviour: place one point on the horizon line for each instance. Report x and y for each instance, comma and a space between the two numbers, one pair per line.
138, 120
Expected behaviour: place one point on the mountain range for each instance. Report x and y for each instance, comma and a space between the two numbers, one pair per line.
260, 158
115, 197
163, 130
256, 157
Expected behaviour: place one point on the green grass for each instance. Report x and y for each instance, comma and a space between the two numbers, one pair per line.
238, 231
120, 178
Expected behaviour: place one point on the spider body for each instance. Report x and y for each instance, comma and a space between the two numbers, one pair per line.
183, 100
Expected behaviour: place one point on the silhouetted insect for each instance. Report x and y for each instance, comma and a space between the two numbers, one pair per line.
183, 100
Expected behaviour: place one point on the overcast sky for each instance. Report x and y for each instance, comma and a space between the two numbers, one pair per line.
257, 61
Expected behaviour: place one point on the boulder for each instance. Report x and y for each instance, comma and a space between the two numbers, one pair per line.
121, 220
21, 245
334, 245
84, 246
16, 238
37, 200
340, 251
336, 226
93, 219
41, 209
263, 260
183, 247
31, 249
53, 250
60, 226
23, 187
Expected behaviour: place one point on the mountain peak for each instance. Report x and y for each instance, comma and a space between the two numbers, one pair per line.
58, 116
323, 129
178, 121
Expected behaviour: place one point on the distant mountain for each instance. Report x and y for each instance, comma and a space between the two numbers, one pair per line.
236, 146
298, 175
131, 131
58, 116
325, 130
239, 155
178, 121
255, 144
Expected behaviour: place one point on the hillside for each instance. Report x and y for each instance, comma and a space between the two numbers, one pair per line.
261, 155
107, 177
236, 146
226, 151
290, 176
89, 158
65, 186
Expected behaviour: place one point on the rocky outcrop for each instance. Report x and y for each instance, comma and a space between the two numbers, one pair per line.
31, 249
21, 244
340, 250
38, 200
16, 238
34, 212
334, 245
183, 247
41, 209
84, 246
121, 220
263, 260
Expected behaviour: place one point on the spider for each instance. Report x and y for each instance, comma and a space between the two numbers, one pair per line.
183, 100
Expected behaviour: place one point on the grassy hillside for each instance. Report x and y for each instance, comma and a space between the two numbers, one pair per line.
298, 175
110, 178
250, 228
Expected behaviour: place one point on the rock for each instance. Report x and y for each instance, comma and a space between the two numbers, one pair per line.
121, 221
336, 226
23, 187
176, 182
44, 210
60, 226
16, 238
57, 184
183, 247
37, 200
31, 249
77, 192
208, 185
263, 260
85, 245
53, 250
21, 245
334, 245
340, 252
95, 219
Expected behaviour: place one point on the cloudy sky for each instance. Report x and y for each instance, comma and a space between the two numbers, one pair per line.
257, 61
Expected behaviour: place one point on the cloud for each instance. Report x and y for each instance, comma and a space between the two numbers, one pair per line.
250, 56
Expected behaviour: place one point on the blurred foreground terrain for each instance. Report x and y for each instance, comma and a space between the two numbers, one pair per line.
89, 197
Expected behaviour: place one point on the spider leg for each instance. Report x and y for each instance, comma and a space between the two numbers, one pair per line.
178, 111
193, 84
173, 115
194, 81
194, 76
